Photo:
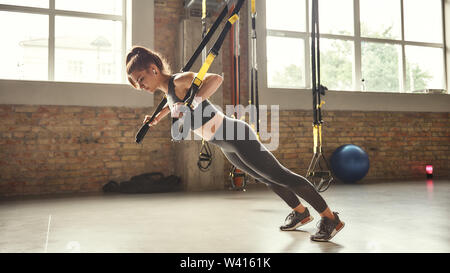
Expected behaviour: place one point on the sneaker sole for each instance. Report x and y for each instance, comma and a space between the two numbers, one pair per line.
299, 224
335, 231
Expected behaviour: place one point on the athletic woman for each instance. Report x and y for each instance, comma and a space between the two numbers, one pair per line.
147, 70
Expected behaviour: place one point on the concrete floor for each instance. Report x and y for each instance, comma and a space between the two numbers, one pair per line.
381, 217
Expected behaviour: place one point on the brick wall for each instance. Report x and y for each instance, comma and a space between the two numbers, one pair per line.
399, 144
53, 149
61, 149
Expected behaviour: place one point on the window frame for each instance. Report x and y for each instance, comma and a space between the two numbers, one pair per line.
140, 25
52, 12
357, 43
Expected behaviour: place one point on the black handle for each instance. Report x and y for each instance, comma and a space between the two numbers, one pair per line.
141, 134
193, 90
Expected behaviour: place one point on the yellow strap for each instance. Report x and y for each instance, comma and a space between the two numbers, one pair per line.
320, 105
209, 59
320, 137
315, 134
201, 74
233, 19
253, 7
203, 9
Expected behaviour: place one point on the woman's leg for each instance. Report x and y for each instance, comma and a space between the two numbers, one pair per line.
284, 193
256, 156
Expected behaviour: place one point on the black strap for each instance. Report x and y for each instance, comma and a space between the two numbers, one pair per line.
254, 96
317, 88
206, 39
205, 151
321, 178
205, 156
213, 52
144, 129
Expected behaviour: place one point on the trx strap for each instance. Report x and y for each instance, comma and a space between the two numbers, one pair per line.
205, 155
238, 178
143, 131
235, 52
254, 96
198, 80
321, 177
204, 12
212, 54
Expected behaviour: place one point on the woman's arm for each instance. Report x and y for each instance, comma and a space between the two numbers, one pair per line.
163, 113
159, 117
210, 84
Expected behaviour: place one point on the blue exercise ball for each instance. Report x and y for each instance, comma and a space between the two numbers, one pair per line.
349, 163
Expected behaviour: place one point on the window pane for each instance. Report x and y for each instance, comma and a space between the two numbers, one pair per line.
381, 66
336, 64
286, 15
423, 20
424, 68
27, 3
335, 17
97, 6
381, 19
285, 62
24, 51
87, 50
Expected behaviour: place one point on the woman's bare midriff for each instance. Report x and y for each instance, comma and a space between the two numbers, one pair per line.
208, 130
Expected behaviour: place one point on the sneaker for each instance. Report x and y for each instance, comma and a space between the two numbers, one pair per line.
296, 219
328, 228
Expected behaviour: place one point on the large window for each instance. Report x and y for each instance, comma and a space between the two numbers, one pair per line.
63, 40
365, 45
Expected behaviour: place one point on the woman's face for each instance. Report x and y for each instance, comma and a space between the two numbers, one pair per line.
146, 79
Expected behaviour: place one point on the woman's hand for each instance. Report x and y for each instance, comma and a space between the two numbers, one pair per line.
153, 123
176, 112
197, 100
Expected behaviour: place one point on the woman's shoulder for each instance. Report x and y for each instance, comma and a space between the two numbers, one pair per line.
183, 79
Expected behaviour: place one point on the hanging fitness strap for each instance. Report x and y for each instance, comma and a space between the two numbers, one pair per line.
320, 177
205, 156
254, 97
198, 80
213, 53
235, 52
238, 178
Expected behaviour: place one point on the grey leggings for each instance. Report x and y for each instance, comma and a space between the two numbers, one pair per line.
241, 147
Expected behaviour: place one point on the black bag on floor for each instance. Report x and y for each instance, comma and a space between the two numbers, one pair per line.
111, 186
146, 183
